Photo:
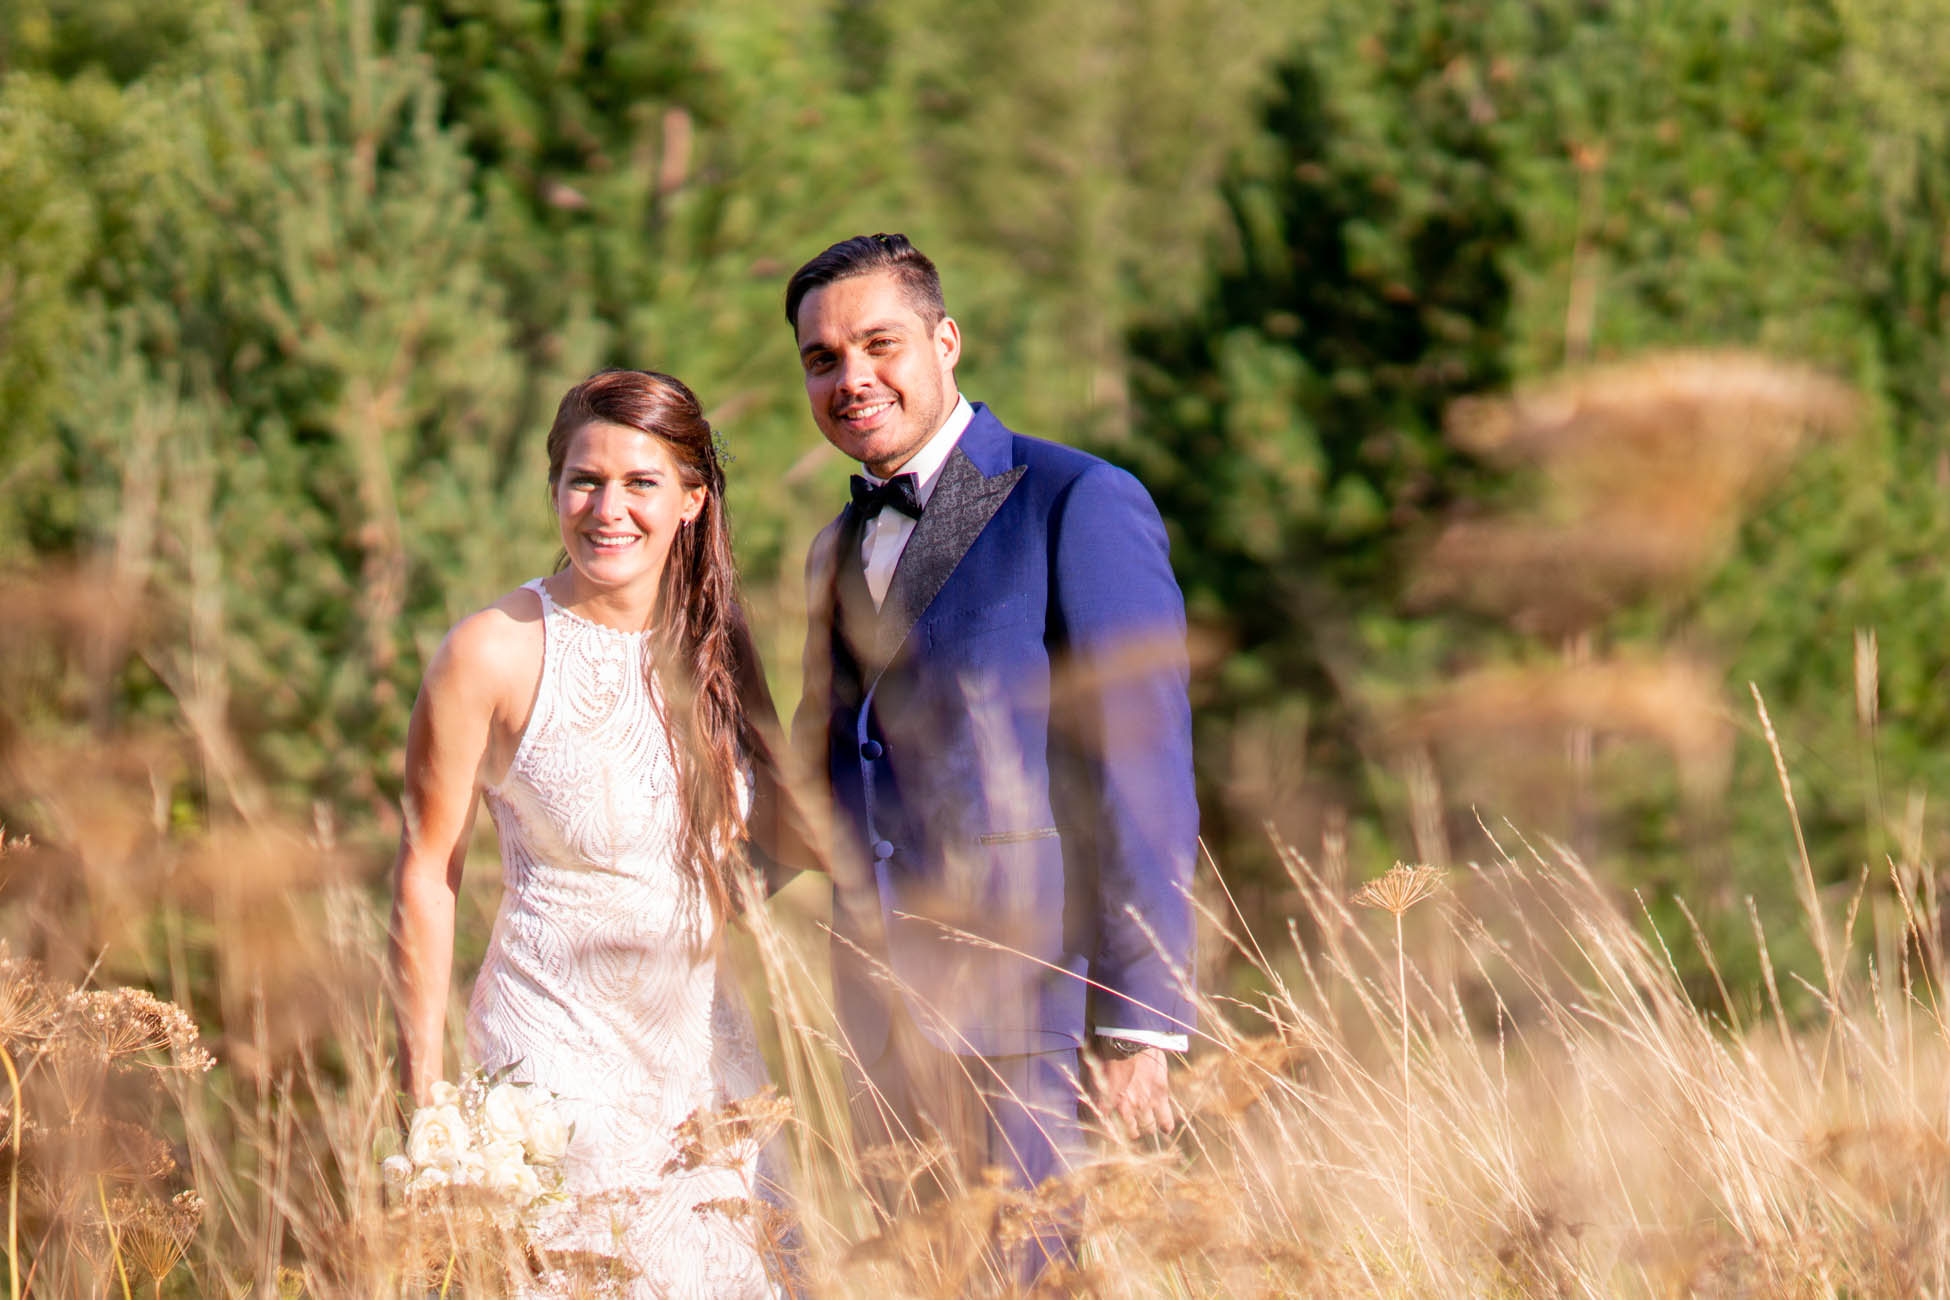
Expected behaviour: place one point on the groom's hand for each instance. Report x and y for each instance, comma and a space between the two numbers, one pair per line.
1133, 1093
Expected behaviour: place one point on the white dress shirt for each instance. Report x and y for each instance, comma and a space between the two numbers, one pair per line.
885, 535
881, 542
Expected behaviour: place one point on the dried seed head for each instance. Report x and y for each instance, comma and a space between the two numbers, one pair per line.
1402, 888
27, 1001
79, 1072
582, 1272
110, 1148
728, 1135
156, 1234
124, 1024
1222, 1085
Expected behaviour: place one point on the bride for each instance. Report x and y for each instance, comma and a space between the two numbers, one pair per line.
607, 714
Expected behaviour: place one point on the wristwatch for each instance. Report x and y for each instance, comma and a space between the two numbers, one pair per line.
1118, 1049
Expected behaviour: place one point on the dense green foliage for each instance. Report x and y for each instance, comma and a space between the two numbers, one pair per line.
1292, 429
288, 290
1442, 197
290, 293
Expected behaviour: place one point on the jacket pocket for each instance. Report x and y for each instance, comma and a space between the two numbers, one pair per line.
1009, 611
1019, 837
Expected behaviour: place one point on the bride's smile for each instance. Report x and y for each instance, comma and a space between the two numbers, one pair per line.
621, 500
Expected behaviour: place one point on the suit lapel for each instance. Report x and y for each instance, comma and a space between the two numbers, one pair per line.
846, 623
963, 502
822, 571
821, 608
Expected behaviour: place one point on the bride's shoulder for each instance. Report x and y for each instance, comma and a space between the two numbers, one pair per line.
502, 641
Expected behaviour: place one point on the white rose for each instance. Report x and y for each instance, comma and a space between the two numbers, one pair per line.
437, 1136
467, 1167
428, 1180
504, 1115
396, 1170
502, 1165
547, 1133
444, 1093
527, 1185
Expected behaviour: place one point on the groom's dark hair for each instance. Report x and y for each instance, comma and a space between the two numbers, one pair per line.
863, 255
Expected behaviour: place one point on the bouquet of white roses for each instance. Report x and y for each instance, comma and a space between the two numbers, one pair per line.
506, 1138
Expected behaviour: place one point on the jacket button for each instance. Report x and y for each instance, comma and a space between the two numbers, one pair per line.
883, 849
871, 749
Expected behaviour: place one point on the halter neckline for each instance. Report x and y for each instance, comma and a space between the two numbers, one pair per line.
550, 602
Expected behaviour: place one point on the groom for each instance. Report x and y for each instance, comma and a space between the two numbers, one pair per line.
996, 692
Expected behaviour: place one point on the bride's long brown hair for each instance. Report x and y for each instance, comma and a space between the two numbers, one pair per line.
698, 635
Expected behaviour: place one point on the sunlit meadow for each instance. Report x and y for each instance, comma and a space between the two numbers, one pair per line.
1487, 1072
1488, 1081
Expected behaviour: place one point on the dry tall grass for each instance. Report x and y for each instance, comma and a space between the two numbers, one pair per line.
1519, 1099
1502, 1089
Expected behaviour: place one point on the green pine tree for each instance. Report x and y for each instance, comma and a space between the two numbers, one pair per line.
1291, 428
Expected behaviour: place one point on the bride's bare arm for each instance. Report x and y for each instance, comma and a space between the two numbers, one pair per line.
446, 743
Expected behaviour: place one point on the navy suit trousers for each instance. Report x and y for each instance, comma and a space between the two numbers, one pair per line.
962, 1115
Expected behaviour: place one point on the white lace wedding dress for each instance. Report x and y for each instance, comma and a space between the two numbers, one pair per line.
601, 984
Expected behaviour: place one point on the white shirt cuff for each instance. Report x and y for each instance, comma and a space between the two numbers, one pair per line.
1149, 1037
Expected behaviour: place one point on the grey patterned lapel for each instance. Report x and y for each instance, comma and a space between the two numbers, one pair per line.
963, 502
822, 597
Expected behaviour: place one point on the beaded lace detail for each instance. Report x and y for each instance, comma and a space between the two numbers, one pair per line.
600, 980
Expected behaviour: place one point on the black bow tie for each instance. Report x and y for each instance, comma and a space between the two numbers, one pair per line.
901, 492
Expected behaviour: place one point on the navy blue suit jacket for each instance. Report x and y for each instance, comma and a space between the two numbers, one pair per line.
1008, 746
